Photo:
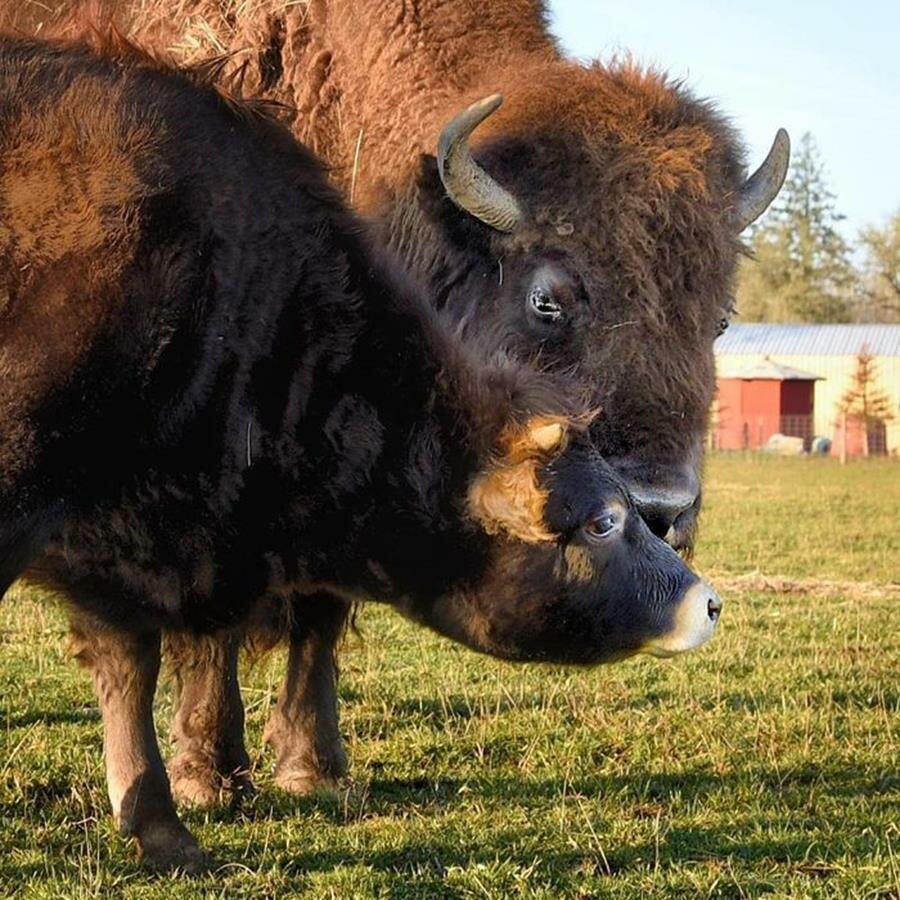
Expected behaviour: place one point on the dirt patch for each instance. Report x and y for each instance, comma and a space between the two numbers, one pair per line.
780, 584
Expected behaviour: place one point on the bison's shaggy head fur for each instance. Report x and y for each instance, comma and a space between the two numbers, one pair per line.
620, 273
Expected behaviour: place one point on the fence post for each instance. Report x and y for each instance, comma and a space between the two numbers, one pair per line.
843, 437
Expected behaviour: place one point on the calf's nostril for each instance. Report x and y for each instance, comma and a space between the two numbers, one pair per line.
713, 607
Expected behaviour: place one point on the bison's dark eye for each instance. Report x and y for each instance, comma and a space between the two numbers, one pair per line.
603, 526
722, 326
542, 304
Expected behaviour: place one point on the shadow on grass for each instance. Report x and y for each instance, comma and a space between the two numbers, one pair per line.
429, 858
52, 796
387, 797
380, 796
643, 795
80, 716
678, 847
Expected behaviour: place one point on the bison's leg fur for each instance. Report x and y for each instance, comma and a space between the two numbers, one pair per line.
208, 728
303, 727
124, 666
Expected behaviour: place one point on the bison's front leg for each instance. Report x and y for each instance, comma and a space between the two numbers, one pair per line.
303, 727
124, 666
208, 728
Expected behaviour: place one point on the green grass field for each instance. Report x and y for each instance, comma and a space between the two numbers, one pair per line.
764, 764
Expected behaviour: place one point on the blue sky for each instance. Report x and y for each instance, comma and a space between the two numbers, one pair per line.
829, 67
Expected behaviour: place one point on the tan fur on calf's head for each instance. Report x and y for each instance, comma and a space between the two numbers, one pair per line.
507, 496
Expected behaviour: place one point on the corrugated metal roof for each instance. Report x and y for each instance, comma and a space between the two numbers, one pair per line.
769, 370
812, 340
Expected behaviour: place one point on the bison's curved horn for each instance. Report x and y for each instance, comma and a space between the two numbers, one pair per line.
761, 188
466, 183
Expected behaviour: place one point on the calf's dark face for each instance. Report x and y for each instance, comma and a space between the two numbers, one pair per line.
588, 584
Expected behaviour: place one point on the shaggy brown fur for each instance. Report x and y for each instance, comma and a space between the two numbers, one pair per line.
628, 185
368, 86
243, 398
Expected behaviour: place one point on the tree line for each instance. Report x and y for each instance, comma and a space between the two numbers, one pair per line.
801, 268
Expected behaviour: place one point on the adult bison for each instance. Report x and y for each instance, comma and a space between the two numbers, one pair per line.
593, 229
215, 390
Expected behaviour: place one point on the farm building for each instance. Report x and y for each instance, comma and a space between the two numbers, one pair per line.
771, 374
762, 399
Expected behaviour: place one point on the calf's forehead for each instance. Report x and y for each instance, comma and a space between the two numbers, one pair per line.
580, 485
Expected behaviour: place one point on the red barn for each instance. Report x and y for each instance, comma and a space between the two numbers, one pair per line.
763, 399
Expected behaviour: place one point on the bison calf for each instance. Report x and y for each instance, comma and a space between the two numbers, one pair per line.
215, 391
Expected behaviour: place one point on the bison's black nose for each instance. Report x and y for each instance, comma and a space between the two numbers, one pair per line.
661, 493
660, 508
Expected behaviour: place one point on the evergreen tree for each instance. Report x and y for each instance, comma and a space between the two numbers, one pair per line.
879, 299
801, 269
864, 401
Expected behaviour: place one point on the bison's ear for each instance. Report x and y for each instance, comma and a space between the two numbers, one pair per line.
507, 496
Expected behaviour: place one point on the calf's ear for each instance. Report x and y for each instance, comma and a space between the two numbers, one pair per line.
547, 437
540, 438
507, 496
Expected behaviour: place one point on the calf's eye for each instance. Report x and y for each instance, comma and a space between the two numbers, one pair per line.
602, 526
543, 305
722, 326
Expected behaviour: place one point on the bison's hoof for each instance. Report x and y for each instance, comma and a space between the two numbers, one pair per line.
191, 861
197, 782
241, 785
167, 849
308, 773
304, 782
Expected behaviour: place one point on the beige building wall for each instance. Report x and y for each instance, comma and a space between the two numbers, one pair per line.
838, 373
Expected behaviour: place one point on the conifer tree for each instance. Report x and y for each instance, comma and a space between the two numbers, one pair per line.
801, 269
864, 402
880, 289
